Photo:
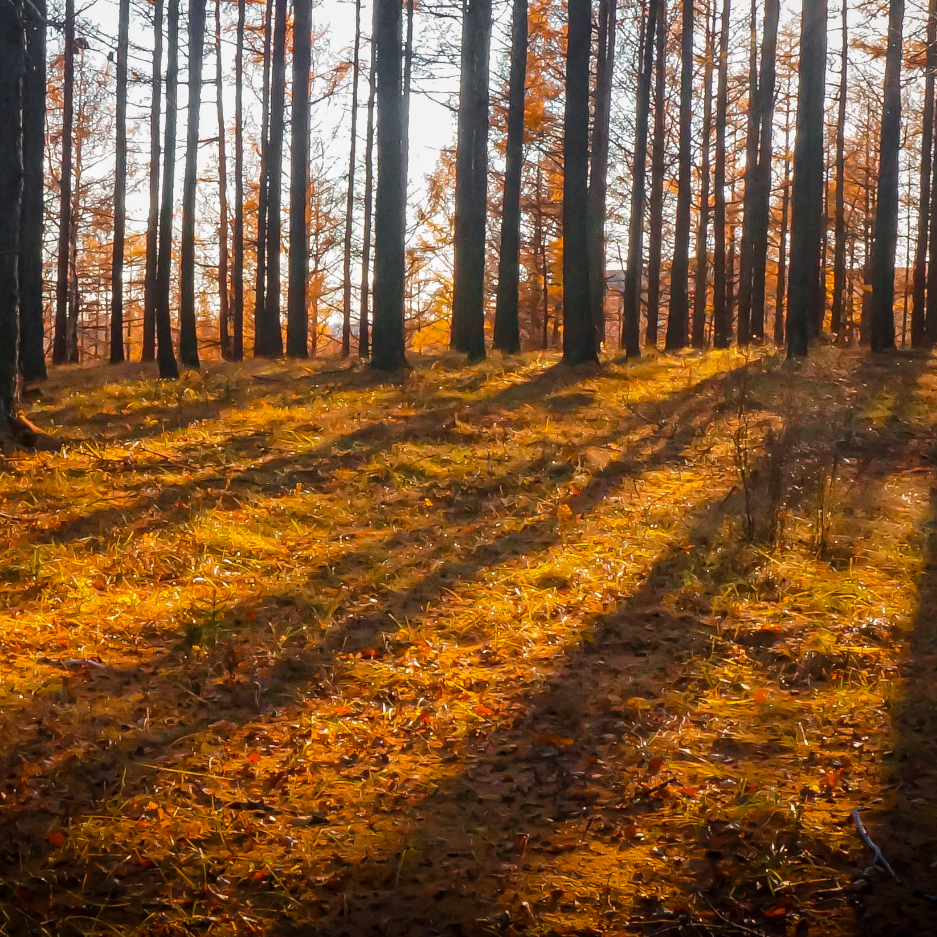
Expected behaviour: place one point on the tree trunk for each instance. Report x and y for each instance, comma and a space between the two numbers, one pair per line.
364, 343
598, 179
237, 342
12, 66
150, 288
882, 313
120, 188
678, 315
722, 321
224, 305
391, 199
839, 249
507, 336
350, 195
699, 293
746, 246
578, 333
919, 336
782, 244
656, 204
631, 293
269, 341
188, 337
807, 190
471, 202
260, 288
32, 332
60, 343
762, 203
165, 353
297, 326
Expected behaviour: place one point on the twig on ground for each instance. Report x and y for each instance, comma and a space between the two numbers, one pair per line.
877, 857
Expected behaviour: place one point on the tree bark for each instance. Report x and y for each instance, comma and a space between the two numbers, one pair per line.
471, 201
507, 334
364, 343
598, 178
746, 247
165, 353
702, 234
882, 312
260, 287
722, 320
782, 245
388, 352
12, 67
32, 330
350, 195
60, 342
188, 336
224, 304
297, 321
678, 314
631, 293
656, 204
839, 248
919, 303
150, 288
807, 190
120, 188
761, 210
269, 342
578, 333
237, 341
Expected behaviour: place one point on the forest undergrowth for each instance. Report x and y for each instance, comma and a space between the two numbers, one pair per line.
509, 650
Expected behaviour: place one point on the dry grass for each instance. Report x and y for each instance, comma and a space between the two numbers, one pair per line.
502, 650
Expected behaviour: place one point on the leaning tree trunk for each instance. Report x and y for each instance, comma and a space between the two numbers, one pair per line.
839, 248
224, 304
364, 337
237, 341
120, 188
12, 65
165, 354
188, 337
388, 351
761, 209
722, 320
807, 191
679, 312
32, 331
468, 281
507, 337
150, 288
631, 294
297, 322
918, 306
578, 333
269, 341
656, 203
350, 194
702, 234
882, 312
598, 179
60, 343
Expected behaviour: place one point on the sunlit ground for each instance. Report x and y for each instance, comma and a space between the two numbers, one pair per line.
509, 649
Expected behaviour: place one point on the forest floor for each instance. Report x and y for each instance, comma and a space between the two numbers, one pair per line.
503, 650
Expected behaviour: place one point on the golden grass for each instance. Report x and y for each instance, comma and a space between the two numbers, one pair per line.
501, 649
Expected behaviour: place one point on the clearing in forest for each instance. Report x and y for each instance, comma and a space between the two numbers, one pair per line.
508, 650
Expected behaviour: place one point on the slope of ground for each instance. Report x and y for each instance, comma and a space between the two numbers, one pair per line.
509, 649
